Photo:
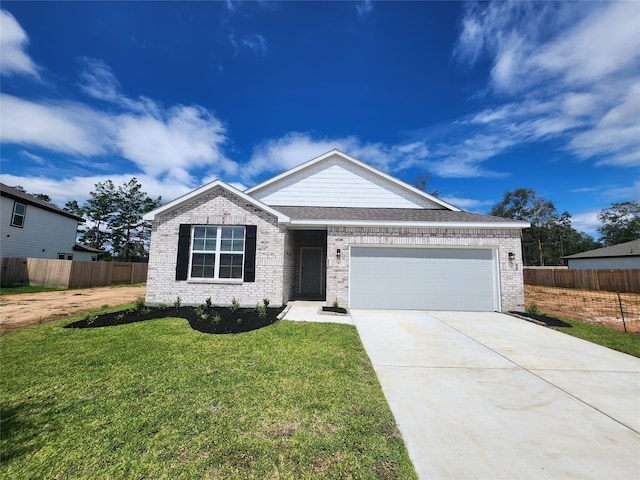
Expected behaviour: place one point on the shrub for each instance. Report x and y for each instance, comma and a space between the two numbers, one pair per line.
217, 318
208, 302
336, 305
265, 302
177, 302
261, 310
162, 306
139, 305
532, 309
235, 305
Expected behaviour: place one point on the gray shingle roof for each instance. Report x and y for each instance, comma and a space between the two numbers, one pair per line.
627, 249
388, 215
19, 195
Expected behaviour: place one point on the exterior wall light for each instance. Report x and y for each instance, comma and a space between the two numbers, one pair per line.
338, 253
512, 255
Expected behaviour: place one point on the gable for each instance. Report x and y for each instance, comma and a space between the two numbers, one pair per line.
339, 182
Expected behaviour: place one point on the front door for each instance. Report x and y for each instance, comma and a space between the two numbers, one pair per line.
311, 271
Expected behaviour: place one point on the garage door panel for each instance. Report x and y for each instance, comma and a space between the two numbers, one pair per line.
422, 278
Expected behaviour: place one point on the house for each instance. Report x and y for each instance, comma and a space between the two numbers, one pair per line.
332, 229
622, 256
33, 228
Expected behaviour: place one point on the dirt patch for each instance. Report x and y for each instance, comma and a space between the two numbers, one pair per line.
25, 310
595, 307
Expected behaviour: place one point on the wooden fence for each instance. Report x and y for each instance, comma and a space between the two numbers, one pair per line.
70, 273
624, 281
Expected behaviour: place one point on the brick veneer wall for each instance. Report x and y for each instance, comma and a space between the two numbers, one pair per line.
505, 240
218, 207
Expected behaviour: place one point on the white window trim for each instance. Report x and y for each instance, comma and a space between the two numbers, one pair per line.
216, 266
23, 215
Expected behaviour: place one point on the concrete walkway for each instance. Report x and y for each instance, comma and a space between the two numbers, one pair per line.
308, 311
489, 396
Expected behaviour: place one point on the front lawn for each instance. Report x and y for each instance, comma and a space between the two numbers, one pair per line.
614, 339
157, 399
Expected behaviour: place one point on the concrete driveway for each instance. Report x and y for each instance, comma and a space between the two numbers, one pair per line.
489, 396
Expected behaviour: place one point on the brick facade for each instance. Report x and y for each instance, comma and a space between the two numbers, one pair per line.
504, 240
219, 207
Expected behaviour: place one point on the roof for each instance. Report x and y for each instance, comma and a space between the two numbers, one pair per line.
359, 163
14, 193
394, 216
203, 190
86, 248
627, 249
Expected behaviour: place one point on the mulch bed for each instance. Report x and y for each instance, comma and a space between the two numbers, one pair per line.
548, 321
242, 320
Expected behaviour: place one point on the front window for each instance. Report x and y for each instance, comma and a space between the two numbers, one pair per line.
19, 212
217, 252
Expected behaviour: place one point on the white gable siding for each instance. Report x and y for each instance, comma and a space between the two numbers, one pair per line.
337, 183
44, 234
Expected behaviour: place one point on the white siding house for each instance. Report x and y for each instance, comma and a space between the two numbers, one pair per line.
32, 228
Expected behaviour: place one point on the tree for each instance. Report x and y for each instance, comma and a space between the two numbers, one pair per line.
525, 204
421, 183
620, 223
114, 219
550, 236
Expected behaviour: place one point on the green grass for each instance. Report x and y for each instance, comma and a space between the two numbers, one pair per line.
617, 340
159, 400
27, 289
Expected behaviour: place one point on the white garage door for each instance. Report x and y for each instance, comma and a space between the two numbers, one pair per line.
423, 278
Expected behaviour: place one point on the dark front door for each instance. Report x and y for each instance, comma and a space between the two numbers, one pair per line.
311, 270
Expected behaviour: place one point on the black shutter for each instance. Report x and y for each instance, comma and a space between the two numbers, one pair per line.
184, 245
250, 253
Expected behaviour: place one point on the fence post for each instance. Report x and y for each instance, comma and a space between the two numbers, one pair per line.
624, 324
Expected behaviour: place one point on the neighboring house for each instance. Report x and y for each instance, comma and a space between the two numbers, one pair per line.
32, 228
332, 229
622, 256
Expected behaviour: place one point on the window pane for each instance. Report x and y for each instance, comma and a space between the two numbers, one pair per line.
204, 238
20, 208
232, 239
231, 265
202, 265
17, 220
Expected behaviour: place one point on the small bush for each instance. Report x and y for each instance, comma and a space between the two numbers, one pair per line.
532, 309
336, 305
162, 306
177, 302
208, 302
261, 310
217, 318
235, 305
265, 302
139, 305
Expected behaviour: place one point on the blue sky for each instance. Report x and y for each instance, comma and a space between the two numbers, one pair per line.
485, 97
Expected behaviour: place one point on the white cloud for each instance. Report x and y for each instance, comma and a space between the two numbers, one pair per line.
63, 190
566, 71
33, 157
468, 204
13, 40
294, 148
364, 8
586, 221
252, 42
185, 138
66, 127
158, 140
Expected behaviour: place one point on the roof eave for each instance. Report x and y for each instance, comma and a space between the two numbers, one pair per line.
203, 190
369, 223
